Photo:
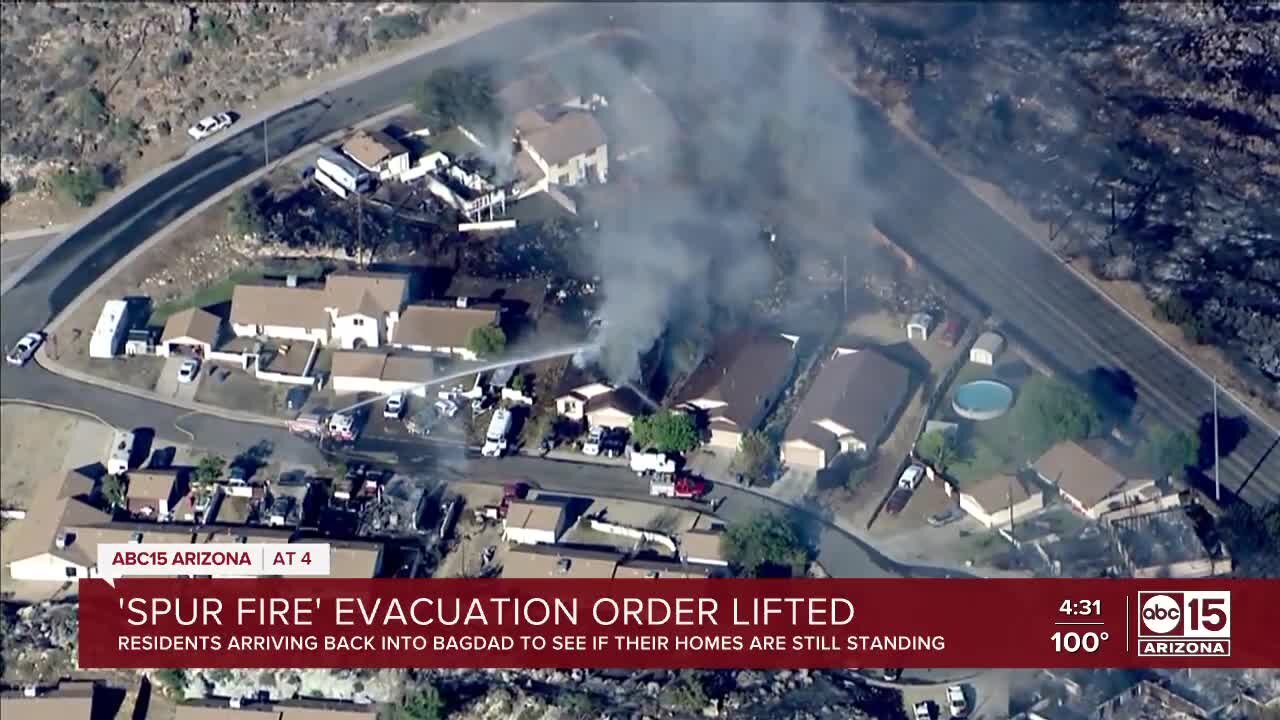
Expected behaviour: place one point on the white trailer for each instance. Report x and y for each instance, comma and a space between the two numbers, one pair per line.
121, 453
652, 462
108, 335
344, 171
495, 440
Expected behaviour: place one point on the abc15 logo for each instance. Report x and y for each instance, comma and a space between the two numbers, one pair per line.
1199, 614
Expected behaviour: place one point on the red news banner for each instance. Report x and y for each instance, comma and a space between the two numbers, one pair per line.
330, 623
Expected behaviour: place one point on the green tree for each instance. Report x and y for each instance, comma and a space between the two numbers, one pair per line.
80, 186
939, 448
125, 129
580, 705
666, 431
757, 458
1051, 410
209, 470
244, 214
88, 108
766, 545
1169, 452
487, 341
424, 704
1253, 537
457, 96
171, 682
113, 490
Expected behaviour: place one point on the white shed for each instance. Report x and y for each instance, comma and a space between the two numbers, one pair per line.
534, 522
986, 349
920, 324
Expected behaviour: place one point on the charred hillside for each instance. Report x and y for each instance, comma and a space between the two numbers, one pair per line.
1146, 135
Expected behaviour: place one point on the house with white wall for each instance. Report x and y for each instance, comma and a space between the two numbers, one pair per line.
1002, 499
560, 147
380, 372
378, 152
282, 312
443, 328
534, 522
738, 383
1088, 482
364, 307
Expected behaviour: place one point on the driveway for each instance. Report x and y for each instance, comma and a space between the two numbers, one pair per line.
987, 693
169, 387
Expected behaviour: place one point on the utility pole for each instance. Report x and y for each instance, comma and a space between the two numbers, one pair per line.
845, 281
1217, 458
360, 227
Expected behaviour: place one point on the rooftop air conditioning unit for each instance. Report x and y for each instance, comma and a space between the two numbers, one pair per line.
235, 702
461, 302
63, 540
135, 538
563, 566
291, 281
30, 691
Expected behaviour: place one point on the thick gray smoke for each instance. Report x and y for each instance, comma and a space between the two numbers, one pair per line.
761, 135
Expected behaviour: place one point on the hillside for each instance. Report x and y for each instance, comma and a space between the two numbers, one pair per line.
92, 84
1145, 135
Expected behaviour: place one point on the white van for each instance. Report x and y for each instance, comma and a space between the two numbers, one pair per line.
121, 452
495, 440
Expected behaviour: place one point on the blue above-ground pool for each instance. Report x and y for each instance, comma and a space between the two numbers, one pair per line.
982, 400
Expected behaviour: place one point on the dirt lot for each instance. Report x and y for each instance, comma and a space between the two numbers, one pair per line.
472, 537
37, 445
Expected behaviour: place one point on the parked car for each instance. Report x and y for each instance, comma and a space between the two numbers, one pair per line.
394, 409
189, 370
296, 397
922, 710
910, 478
594, 439
24, 349
957, 702
210, 125
614, 443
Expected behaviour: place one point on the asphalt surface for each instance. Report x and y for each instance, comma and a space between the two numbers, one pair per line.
16, 250
928, 211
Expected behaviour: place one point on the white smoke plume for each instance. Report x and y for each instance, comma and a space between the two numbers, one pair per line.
758, 114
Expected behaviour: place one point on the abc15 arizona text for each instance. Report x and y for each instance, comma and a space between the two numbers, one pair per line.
1186, 623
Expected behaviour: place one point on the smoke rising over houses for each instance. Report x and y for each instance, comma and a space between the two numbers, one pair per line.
761, 138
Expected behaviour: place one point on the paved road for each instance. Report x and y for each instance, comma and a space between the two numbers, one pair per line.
17, 249
1046, 306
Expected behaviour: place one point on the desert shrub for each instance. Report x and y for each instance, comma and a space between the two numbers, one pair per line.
80, 186
399, 26
88, 108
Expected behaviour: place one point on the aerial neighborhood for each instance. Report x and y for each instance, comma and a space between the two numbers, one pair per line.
601, 304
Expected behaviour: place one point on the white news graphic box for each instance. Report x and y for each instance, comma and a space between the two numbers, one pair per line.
232, 560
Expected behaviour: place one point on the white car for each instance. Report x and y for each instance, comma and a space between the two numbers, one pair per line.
394, 407
910, 478
189, 370
592, 445
957, 702
922, 710
24, 348
209, 126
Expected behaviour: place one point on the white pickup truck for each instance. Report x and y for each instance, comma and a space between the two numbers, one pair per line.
495, 439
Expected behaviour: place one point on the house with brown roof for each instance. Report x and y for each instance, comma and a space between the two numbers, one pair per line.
192, 331
359, 559
381, 372
1090, 483
377, 152
533, 522
536, 89
850, 407
542, 561
659, 569
58, 539
587, 400
703, 547
364, 307
444, 328
279, 311
68, 700
738, 383
1002, 499
152, 493
567, 147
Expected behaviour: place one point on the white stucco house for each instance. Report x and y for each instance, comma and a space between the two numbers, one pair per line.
560, 147
378, 152
987, 348
380, 372
534, 522
364, 307
278, 311
443, 328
